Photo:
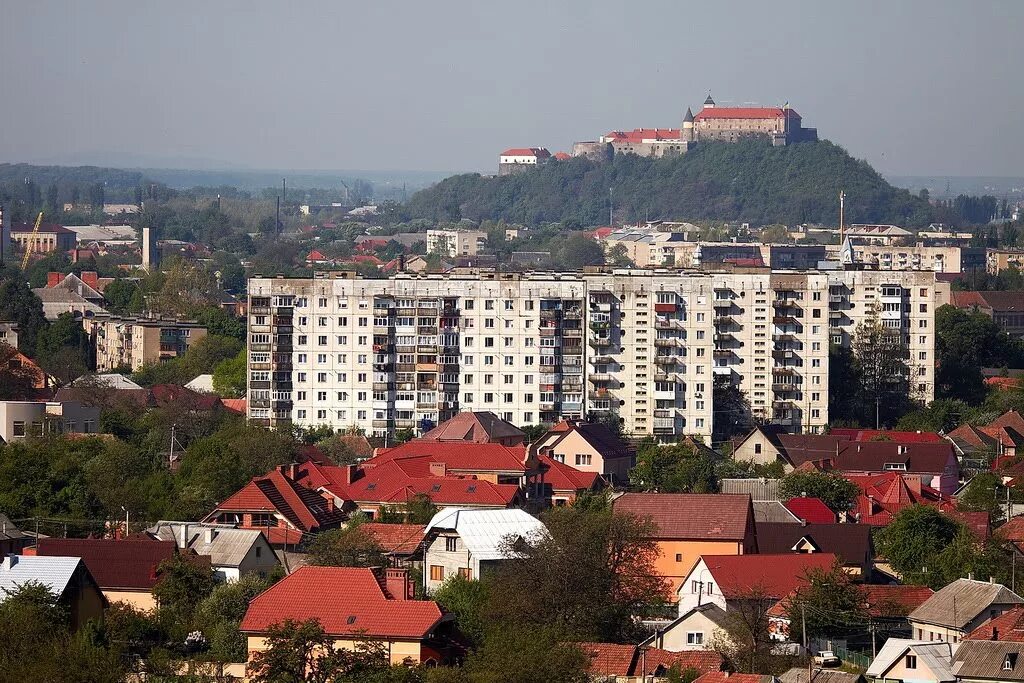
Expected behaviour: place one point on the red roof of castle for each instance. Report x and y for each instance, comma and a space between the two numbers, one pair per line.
745, 113
641, 134
345, 600
539, 152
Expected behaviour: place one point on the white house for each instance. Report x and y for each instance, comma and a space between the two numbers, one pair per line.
467, 541
233, 552
902, 660
22, 419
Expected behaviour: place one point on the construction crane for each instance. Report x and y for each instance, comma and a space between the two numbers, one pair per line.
31, 241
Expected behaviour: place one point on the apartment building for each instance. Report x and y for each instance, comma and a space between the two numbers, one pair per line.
920, 256
645, 347
126, 342
454, 243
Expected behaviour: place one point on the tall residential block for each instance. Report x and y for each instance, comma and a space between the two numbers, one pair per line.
128, 342
643, 347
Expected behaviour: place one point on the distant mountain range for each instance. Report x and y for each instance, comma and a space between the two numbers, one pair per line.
947, 187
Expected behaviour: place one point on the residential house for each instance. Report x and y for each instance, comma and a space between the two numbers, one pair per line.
891, 604
851, 543
811, 510
615, 663
970, 440
470, 542
491, 462
960, 608
896, 436
725, 580
22, 419
66, 577
799, 675
883, 496
353, 605
559, 485
233, 552
1006, 308
477, 427
9, 333
697, 629
901, 660
989, 661
125, 569
35, 381
12, 539
590, 447
688, 525
403, 543
58, 300
1013, 533
1008, 626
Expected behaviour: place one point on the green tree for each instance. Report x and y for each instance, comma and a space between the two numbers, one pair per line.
913, 540
837, 492
124, 297
676, 468
576, 252
230, 375
350, 546
466, 599
519, 654
220, 614
830, 603
183, 584
884, 373
418, 510
964, 343
18, 304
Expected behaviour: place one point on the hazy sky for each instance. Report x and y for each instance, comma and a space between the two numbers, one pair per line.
914, 87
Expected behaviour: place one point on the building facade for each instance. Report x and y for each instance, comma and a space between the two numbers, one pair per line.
640, 346
124, 342
519, 159
455, 243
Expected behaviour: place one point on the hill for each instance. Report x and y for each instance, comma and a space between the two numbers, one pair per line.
748, 181
70, 175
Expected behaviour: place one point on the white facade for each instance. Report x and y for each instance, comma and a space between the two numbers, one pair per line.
455, 243
643, 346
22, 419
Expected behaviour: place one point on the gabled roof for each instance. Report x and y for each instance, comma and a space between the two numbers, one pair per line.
709, 610
1008, 626
851, 542
401, 479
692, 516
539, 152
395, 539
894, 600
8, 530
227, 547
613, 659
562, 477
771, 576
759, 489
345, 600
995, 660
302, 507
799, 675
459, 455
114, 563
937, 656
811, 510
487, 532
773, 511
476, 427
53, 572
884, 495
960, 602
601, 439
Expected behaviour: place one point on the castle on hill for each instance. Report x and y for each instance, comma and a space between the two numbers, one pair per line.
781, 125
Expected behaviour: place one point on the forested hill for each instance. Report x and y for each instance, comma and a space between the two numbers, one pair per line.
69, 175
747, 181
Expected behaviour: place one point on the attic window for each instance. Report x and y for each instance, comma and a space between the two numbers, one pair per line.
1010, 662
371, 486
435, 488
351, 619
471, 488
896, 466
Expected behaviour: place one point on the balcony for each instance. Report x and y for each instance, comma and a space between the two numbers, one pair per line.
783, 405
721, 371
601, 360
600, 325
600, 342
602, 306
722, 304
572, 332
383, 386
724, 320
550, 314
664, 425
723, 336
784, 337
666, 360
547, 405
666, 342
785, 388
783, 354
836, 298
722, 353
783, 320
596, 377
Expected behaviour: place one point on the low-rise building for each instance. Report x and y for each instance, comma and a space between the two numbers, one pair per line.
851, 543
1006, 308
697, 629
66, 577
901, 660
50, 237
12, 539
986, 661
9, 333
128, 342
233, 552
354, 605
519, 159
588, 447
959, 608
22, 419
468, 543
477, 427
616, 663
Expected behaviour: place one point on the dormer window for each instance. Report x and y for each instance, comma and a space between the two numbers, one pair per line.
895, 467
1010, 662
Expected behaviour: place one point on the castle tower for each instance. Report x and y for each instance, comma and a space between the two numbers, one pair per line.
709, 103
686, 132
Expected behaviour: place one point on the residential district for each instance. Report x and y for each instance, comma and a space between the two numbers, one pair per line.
784, 457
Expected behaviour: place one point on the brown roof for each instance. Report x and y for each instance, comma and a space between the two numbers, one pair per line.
691, 516
481, 427
997, 300
603, 440
851, 542
125, 564
1008, 626
613, 659
395, 539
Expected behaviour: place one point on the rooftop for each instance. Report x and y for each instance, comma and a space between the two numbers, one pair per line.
487, 533
114, 563
691, 516
960, 602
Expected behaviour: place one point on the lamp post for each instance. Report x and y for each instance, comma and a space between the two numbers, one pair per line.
125, 510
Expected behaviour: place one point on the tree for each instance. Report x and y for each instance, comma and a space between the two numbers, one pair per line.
676, 468
837, 492
586, 578
964, 343
519, 654
745, 642
830, 603
732, 410
230, 375
350, 546
187, 289
124, 297
417, 510
576, 252
466, 599
18, 304
914, 539
882, 366
64, 349
221, 613
183, 584
17, 381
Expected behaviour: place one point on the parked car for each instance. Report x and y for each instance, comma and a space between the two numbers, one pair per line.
826, 658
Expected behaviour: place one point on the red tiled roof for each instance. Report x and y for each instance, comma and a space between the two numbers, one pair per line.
811, 510
614, 659
458, 455
884, 495
745, 113
562, 156
640, 134
773, 576
125, 564
692, 516
475, 427
896, 600
704, 661
303, 507
234, 405
400, 539
1007, 627
1013, 530
345, 600
563, 477
610, 659
889, 435
316, 255
539, 152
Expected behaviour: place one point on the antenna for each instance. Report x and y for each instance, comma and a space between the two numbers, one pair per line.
842, 206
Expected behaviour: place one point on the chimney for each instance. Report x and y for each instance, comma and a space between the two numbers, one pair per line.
9, 561
995, 633
330, 501
351, 473
914, 484
438, 469
398, 584
91, 278
209, 534
52, 279
184, 536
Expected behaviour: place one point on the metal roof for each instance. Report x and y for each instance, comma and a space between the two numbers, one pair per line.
53, 572
959, 603
485, 532
937, 656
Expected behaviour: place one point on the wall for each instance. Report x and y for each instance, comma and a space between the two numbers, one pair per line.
139, 599
747, 451
452, 562
398, 650
689, 551
674, 639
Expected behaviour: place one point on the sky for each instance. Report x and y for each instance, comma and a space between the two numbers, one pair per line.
921, 87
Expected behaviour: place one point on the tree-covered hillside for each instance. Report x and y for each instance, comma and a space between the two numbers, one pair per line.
747, 181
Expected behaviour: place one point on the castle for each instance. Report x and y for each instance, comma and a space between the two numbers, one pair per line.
781, 125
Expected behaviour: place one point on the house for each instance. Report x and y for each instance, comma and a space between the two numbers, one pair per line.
893, 602
883, 496
989, 661
960, 608
88, 284
559, 485
590, 447
12, 539
688, 525
697, 629
477, 427
469, 542
66, 577
353, 605
402, 543
913, 661
233, 552
22, 419
1008, 626
280, 506
58, 300
725, 580
969, 440
811, 510
1006, 308
896, 436
125, 569
33, 380
614, 663
9, 333
851, 543
1013, 533
493, 462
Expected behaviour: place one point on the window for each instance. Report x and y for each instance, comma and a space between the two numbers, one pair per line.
18, 428
911, 661
679, 557
451, 544
583, 458
436, 572
757, 448
466, 573
695, 638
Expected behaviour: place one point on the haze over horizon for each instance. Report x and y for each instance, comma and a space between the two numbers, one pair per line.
912, 89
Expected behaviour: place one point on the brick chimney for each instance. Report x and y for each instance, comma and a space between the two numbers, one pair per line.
397, 583
53, 279
91, 278
329, 499
995, 633
914, 484
352, 473
438, 469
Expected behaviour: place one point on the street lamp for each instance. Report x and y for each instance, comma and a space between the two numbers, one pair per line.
125, 510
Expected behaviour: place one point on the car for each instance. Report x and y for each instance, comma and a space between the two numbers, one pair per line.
826, 658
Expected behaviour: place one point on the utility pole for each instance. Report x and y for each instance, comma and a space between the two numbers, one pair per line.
807, 650
611, 205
